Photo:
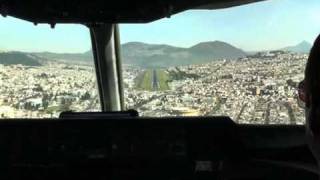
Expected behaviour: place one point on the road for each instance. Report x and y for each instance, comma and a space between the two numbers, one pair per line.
267, 116
290, 112
157, 97
240, 113
155, 82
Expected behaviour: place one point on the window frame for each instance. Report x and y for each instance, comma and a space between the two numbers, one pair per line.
106, 53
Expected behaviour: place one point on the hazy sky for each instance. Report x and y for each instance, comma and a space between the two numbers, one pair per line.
21, 35
265, 25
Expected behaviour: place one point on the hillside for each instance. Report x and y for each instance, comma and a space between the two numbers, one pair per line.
217, 50
303, 47
151, 55
154, 55
86, 57
148, 55
12, 58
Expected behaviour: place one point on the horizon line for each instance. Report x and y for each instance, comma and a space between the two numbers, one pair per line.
83, 52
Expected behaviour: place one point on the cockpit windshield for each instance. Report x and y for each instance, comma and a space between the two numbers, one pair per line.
244, 62
45, 71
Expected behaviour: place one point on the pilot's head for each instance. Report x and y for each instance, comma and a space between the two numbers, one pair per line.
309, 92
312, 88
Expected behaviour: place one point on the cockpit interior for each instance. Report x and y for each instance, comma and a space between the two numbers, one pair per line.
163, 89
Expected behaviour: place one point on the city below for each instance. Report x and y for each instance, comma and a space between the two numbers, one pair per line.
256, 89
259, 89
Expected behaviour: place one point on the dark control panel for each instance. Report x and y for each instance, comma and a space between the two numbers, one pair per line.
128, 147
153, 148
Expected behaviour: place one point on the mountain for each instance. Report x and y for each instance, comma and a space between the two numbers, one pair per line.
11, 58
153, 55
217, 50
150, 55
303, 47
86, 57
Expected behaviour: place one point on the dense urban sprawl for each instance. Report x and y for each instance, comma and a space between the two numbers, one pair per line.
45, 91
258, 89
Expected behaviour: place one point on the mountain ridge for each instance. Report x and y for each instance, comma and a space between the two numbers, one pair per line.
14, 57
162, 55
302, 47
158, 55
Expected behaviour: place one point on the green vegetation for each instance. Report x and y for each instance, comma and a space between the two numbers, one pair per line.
147, 79
180, 75
163, 56
144, 81
163, 79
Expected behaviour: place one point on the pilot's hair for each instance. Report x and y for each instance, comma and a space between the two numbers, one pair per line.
312, 85
312, 73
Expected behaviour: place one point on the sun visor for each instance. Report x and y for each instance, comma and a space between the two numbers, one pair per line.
101, 11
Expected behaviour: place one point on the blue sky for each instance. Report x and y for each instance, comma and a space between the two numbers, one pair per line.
21, 35
260, 26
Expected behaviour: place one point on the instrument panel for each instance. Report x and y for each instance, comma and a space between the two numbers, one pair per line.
122, 147
135, 147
